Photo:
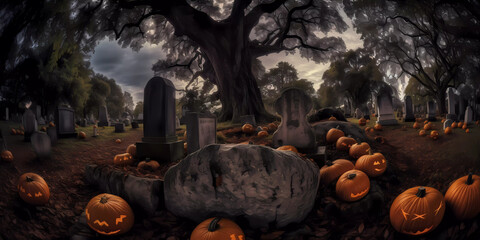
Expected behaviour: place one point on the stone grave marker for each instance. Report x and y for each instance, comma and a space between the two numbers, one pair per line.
135, 125
201, 130
126, 122
451, 102
83, 122
103, 120
29, 123
42, 121
248, 119
408, 116
160, 141
469, 115
358, 113
6, 114
293, 106
65, 122
95, 131
41, 144
119, 127
431, 111
177, 123
447, 123
346, 109
385, 109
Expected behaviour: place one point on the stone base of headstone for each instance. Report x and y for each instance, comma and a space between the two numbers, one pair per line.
248, 119
52, 133
135, 125
387, 120
447, 123
161, 152
103, 124
119, 127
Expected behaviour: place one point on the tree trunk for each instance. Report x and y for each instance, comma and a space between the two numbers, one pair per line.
440, 97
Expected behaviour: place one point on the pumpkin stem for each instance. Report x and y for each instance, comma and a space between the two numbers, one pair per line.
28, 179
104, 199
469, 179
214, 224
351, 176
421, 192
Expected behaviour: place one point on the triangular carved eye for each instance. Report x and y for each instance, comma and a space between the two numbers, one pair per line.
383, 160
343, 144
39, 194
376, 163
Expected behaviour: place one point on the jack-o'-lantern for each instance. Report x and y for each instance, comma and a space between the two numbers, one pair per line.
422, 133
20, 132
43, 129
417, 211
463, 197
148, 164
33, 189
434, 135
51, 124
333, 135
416, 125
262, 134
477, 122
464, 126
332, 118
109, 214
344, 143
332, 170
362, 121
82, 135
217, 228
13, 131
378, 127
265, 129
454, 125
123, 159
272, 127
6, 156
288, 148
373, 165
248, 128
467, 130
448, 130
460, 124
352, 185
425, 122
357, 150
118, 140
132, 149
428, 126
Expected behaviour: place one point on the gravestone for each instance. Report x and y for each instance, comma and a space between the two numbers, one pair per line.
51, 118
95, 131
408, 105
119, 127
65, 122
160, 140
451, 102
358, 113
52, 133
201, 130
469, 115
29, 123
83, 122
3, 142
385, 109
103, 117
447, 123
42, 121
41, 144
135, 125
126, 122
431, 111
250, 119
177, 123
293, 105
183, 119
347, 111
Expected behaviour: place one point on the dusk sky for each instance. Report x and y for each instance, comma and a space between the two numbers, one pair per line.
133, 69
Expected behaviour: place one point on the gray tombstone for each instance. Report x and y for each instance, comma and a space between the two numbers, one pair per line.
177, 123
29, 123
95, 131
346, 109
408, 105
431, 108
447, 123
469, 115
160, 140
119, 127
41, 121
52, 133
293, 105
103, 120
451, 102
201, 130
41, 144
65, 122
135, 125
385, 109
51, 118
83, 122
250, 119
358, 113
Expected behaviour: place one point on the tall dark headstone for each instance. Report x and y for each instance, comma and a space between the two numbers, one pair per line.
385, 109
29, 124
65, 122
160, 140
451, 102
408, 116
431, 108
103, 117
201, 130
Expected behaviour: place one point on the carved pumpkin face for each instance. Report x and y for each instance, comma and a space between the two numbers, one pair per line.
332, 170
288, 148
417, 211
428, 126
464, 126
448, 130
13, 131
352, 185
248, 128
416, 125
6, 156
434, 135
272, 127
123, 159
362, 121
217, 229
463, 197
33, 189
344, 143
262, 134
108, 214
332, 118
358, 150
132, 149
333, 135
51, 124
467, 130
373, 165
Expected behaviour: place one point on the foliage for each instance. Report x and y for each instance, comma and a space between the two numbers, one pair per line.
138, 109
128, 100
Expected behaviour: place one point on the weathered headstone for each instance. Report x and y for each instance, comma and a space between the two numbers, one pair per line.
385, 109
65, 122
83, 122
408, 105
41, 121
469, 115
447, 123
103, 120
201, 130
177, 123
346, 109
119, 127
160, 140
358, 113
29, 124
293, 106
41, 144
52, 133
250, 119
126, 122
451, 102
95, 131
135, 125
431, 108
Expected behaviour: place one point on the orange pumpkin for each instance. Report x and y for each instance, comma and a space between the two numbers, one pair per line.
262, 134
373, 165
82, 135
434, 135
477, 122
358, 150
132, 149
265, 129
33, 189
428, 126
288, 148
367, 129
463, 197
148, 164
416, 125
464, 126
344, 143
51, 124
109, 214
352, 186
333, 135
422, 133
467, 130
443, 120
43, 129
362, 121
123, 159
332, 118
217, 228
378, 127
417, 211
272, 127
13, 131
118, 140
6, 156
454, 125
185, 147
248, 128
448, 130
332, 170
426, 121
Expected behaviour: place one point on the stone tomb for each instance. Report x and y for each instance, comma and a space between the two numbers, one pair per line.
469, 115
201, 130
408, 116
103, 117
293, 106
451, 102
65, 122
385, 109
29, 123
159, 140
431, 108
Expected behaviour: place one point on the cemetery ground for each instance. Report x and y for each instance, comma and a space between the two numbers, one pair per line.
412, 161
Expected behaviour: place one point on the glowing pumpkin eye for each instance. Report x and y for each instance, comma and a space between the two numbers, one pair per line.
376, 163
383, 160
39, 194
344, 144
120, 219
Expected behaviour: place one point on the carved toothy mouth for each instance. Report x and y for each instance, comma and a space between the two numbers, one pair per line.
420, 232
108, 233
358, 194
378, 170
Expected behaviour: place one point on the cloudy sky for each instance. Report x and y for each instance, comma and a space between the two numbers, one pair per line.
132, 69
